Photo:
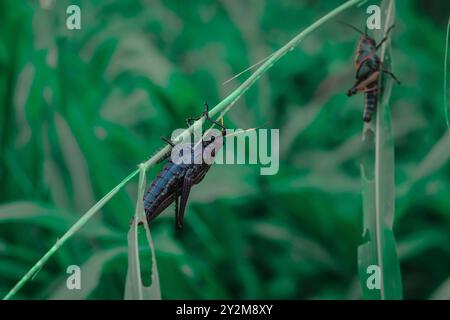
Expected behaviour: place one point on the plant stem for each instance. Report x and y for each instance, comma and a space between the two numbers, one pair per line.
229, 101
222, 107
380, 138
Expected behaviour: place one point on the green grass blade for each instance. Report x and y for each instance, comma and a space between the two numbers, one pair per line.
379, 193
445, 75
134, 286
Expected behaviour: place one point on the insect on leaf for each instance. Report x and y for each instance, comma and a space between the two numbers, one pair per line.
378, 188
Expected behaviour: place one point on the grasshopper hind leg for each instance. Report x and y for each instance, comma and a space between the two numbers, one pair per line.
185, 190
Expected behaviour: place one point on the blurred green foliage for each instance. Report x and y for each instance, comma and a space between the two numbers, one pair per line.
79, 110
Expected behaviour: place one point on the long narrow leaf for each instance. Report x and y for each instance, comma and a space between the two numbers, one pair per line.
445, 75
379, 194
134, 286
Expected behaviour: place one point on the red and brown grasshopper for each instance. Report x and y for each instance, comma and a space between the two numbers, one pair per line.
368, 69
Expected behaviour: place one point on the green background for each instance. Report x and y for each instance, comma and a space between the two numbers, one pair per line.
80, 109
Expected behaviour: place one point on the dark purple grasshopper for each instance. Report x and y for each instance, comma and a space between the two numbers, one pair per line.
368, 68
174, 182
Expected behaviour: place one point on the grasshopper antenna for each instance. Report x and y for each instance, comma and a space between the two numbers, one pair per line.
234, 134
353, 27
